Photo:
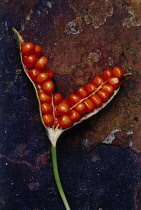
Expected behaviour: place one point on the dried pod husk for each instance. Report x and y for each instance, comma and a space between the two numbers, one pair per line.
54, 133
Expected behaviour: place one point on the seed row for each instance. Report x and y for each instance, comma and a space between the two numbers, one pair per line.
56, 111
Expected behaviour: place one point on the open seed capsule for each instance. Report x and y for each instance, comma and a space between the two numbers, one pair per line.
58, 114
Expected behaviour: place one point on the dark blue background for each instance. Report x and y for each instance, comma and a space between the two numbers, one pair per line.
106, 177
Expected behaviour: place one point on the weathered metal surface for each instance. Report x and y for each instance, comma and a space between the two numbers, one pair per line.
81, 38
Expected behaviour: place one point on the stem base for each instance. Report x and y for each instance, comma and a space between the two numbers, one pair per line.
57, 178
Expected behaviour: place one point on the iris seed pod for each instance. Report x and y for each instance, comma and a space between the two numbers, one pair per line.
54, 132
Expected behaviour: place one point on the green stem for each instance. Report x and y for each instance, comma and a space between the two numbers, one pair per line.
57, 178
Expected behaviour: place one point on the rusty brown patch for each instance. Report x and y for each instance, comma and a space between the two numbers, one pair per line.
92, 12
81, 39
122, 139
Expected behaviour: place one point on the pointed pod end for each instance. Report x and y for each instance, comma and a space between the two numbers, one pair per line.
18, 36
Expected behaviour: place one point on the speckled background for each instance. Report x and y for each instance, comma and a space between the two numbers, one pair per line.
100, 159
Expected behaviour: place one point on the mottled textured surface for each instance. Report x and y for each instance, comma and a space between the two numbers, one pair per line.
81, 38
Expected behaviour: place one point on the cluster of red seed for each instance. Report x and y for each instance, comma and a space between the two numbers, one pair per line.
59, 112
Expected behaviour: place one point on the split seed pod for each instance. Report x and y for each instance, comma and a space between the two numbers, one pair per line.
54, 130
